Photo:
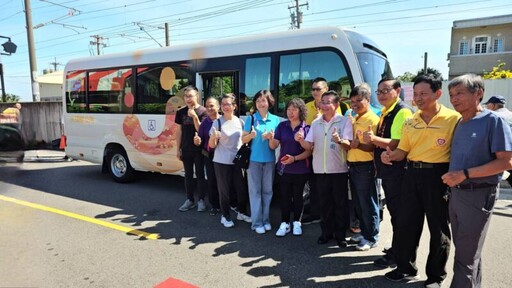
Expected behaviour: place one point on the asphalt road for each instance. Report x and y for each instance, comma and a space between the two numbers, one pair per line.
64, 224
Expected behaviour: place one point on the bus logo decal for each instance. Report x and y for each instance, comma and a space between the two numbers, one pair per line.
151, 125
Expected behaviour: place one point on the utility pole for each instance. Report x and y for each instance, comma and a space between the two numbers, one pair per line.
167, 34
425, 64
55, 64
98, 43
296, 16
4, 96
32, 52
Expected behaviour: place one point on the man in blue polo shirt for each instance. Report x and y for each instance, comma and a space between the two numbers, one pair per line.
474, 177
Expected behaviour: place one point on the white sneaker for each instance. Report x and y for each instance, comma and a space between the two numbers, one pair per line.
297, 228
243, 217
260, 230
365, 245
284, 229
187, 206
267, 227
227, 223
201, 206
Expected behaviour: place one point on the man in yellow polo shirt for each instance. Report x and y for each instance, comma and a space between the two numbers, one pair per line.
362, 168
426, 143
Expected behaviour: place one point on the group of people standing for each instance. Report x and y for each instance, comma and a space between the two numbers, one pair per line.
424, 161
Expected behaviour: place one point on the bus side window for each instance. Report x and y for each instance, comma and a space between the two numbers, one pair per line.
296, 72
75, 92
157, 85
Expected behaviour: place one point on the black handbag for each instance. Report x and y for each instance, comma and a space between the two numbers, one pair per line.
243, 155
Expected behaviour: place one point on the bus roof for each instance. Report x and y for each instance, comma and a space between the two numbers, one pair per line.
344, 39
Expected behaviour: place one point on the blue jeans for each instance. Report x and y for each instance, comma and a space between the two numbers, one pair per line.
366, 198
260, 177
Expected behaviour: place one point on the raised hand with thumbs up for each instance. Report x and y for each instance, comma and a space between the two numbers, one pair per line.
197, 139
253, 132
336, 136
354, 144
268, 135
368, 134
386, 156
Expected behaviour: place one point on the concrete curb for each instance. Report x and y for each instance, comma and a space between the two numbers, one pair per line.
45, 156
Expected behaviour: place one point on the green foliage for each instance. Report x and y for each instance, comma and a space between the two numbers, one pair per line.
10, 98
430, 70
406, 77
151, 108
409, 77
499, 72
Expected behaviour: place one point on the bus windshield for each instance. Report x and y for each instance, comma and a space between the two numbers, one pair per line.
374, 68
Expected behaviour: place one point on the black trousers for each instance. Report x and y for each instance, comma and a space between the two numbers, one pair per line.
213, 192
229, 177
422, 195
291, 188
333, 194
392, 190
191, 160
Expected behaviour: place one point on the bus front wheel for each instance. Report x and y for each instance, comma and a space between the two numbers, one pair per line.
119, 166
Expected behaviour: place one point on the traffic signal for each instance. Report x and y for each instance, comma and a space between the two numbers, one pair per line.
9, 47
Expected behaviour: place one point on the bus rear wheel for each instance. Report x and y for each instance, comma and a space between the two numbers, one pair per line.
119, 166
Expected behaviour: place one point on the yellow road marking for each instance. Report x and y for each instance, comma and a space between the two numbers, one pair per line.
81, 217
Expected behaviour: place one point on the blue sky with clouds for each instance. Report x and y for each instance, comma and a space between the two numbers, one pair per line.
404, 29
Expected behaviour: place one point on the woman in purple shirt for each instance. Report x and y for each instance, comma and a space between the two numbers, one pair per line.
293, 165
201, 139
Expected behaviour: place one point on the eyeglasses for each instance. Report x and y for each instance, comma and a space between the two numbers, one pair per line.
226, 104
383, 91
326, 102
316, 89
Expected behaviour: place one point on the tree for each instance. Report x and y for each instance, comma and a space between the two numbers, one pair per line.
406, 77
10, 98
430, 70
409, 77
498, 72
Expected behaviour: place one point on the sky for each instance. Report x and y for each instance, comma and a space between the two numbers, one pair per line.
403, 29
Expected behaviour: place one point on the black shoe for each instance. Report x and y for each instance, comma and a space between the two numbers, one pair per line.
397, 276
342, 243
322, 240
310, 220
433, 284
214, 211
385, 261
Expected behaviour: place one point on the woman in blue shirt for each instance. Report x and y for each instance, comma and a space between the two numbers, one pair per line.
260, 173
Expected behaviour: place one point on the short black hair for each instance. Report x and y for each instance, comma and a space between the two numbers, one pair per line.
396, 83
434, 82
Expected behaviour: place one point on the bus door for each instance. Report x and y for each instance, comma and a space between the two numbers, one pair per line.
218, 83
